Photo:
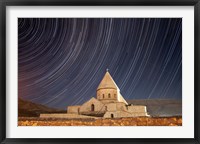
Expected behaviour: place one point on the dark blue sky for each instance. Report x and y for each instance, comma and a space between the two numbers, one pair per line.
62, 61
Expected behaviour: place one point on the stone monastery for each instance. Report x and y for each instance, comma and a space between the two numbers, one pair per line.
109, 103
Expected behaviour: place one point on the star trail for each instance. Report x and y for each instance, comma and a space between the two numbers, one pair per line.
61, 61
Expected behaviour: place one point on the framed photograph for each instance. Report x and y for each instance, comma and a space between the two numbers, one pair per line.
99, 71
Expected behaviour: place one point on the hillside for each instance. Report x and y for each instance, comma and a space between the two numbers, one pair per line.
30, 109
160, 108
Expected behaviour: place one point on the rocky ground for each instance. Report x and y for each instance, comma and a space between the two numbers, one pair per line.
139, 121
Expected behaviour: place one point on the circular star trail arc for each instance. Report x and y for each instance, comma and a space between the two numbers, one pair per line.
62, 61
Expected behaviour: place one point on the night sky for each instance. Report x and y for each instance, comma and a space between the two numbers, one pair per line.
62, 61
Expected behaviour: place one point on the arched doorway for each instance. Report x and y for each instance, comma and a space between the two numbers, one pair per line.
112, 115
92, 107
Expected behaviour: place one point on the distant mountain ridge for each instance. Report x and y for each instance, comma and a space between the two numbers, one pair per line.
160, 108
30, 109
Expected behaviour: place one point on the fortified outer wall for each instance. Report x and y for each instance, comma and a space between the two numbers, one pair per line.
67, 116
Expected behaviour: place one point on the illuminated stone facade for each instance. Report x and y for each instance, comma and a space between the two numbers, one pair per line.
109, 103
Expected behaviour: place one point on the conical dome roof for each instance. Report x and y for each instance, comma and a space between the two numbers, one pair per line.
107, 82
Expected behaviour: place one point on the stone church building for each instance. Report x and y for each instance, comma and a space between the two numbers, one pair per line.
109, 103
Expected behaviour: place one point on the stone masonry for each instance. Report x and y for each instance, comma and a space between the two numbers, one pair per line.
109, 103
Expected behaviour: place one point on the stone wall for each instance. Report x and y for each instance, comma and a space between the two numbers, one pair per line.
116, 106
111, 107
121, 114
97, 106
117, 114
94, 107
67, 116
121, 106
107, 95
137, 108
119, 110
73, 109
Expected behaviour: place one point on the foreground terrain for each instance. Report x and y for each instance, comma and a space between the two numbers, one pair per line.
139, 121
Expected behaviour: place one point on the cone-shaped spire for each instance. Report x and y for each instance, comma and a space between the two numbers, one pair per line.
107, 82
108, 92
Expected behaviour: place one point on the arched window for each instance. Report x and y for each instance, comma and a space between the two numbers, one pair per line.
115, 96
109, 95
103, 96
92, 107
112, 115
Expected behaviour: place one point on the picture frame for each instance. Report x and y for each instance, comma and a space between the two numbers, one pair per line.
3, 80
